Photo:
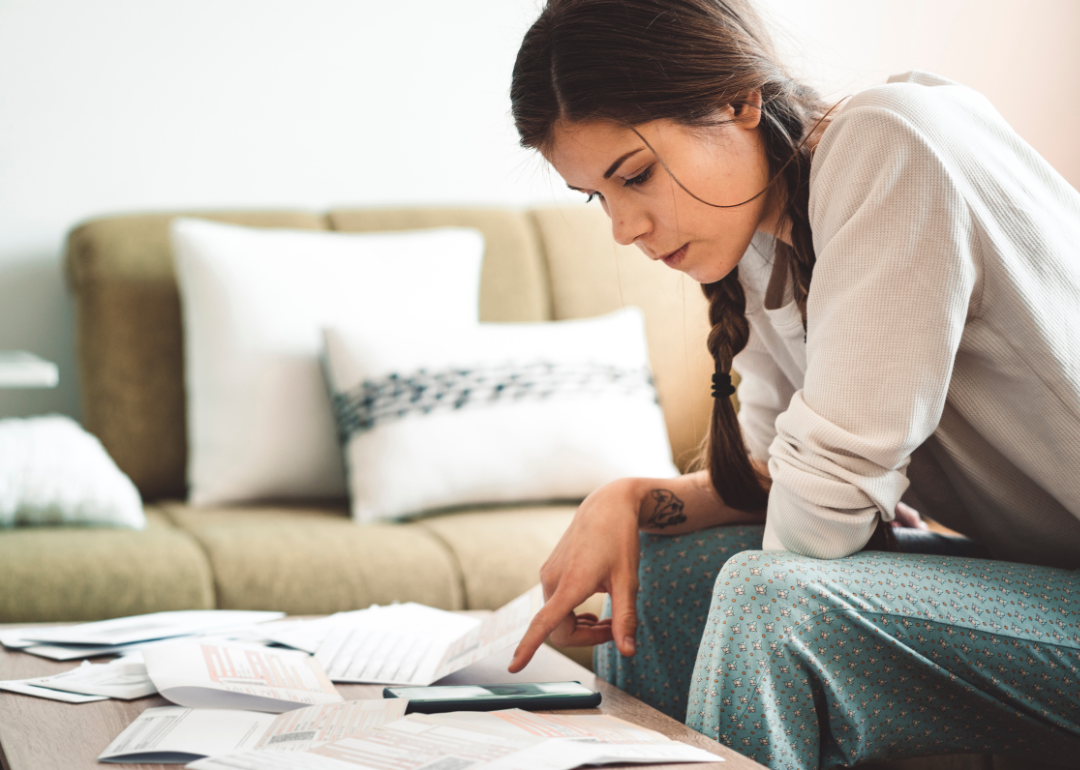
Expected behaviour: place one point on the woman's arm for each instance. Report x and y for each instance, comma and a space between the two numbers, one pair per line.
686, 504
600, 550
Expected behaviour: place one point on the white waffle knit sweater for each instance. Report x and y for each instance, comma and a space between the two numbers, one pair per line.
941, 363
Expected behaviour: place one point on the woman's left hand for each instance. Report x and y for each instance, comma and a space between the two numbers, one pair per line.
906, 516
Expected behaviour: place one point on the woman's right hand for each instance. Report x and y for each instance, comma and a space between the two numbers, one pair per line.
598, 553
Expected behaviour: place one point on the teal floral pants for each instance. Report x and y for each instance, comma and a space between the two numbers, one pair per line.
804, 663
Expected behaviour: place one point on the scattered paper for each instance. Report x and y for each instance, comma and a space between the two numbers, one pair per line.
601, 727
77, 652
173, 735
418, 741
13, 638
503, 628
304, 729
404, 651
23, 687
408, 619
121, 680
199, 675
568, 753
402, 745
142, 628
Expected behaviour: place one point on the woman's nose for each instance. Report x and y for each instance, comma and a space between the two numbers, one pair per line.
628, 224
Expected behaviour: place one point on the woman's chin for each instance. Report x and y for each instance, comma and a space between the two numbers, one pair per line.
704, 274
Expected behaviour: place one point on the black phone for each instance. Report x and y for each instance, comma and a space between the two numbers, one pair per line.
489, 697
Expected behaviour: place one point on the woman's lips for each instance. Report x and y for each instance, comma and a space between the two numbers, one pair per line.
674, 258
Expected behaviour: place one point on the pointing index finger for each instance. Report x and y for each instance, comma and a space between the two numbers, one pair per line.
554, 611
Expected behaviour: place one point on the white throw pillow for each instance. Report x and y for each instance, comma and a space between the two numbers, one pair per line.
54, 472
499, 413
260, 423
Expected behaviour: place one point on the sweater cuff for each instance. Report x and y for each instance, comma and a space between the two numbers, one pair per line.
820, 534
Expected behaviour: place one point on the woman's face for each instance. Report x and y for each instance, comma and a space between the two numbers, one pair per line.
723, 165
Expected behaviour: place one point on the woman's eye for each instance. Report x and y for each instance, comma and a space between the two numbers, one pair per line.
639, 179
593, 195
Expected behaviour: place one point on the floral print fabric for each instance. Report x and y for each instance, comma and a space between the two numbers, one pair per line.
803, 663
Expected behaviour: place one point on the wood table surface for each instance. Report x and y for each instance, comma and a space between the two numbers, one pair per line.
41, 734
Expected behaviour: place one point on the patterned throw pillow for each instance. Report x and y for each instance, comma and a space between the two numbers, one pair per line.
499, 413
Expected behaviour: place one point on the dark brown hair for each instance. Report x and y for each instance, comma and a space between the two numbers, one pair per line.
634, 61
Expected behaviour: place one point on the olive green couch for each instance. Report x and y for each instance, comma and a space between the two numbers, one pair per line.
311, 558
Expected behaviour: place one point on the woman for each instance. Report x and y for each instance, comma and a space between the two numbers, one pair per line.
895, 280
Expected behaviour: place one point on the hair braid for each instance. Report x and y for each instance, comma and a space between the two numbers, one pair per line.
735, 479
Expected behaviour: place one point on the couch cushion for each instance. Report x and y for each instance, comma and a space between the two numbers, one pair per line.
130, 349
590, 275
312, 561
82, 573
513, 285
499, 551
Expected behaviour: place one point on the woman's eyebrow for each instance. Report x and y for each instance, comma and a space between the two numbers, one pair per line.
615, 166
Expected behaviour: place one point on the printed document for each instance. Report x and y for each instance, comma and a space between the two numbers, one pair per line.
24, 687
143, 628
407, 618
417, 742
237, 676
176, 735
402, 745
123, 680
378, 653
601, 727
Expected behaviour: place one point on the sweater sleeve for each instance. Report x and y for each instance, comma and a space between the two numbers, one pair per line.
764, 392
889, 298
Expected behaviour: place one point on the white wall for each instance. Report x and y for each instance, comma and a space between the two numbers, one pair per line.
122, 105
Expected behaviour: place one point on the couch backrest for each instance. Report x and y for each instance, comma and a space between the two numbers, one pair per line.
538, 265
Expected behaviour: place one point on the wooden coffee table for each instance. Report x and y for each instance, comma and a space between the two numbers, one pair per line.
40, 734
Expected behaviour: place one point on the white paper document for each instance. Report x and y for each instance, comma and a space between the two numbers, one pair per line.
401, 745
308, 728
177, 735
417, 742
602, 727
24, 687
13, 638
142, 628
123, 680
405, 618
377, 653
237, 676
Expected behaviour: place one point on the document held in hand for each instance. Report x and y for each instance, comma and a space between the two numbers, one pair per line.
374, 655
238, 676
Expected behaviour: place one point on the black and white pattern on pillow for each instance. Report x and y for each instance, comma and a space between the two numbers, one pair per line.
397, 396
496, 413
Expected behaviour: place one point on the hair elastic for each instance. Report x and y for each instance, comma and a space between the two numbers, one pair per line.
721, 385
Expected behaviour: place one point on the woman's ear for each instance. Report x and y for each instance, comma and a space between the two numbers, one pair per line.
748, 109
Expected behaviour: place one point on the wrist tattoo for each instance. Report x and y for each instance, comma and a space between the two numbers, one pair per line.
667, 509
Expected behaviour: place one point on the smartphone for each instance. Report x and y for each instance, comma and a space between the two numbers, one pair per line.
489, 697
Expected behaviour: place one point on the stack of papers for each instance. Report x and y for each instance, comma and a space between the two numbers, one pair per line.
409, 644
509, 740
176, 735
123, 635
237, 676
243, 705
123, 679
